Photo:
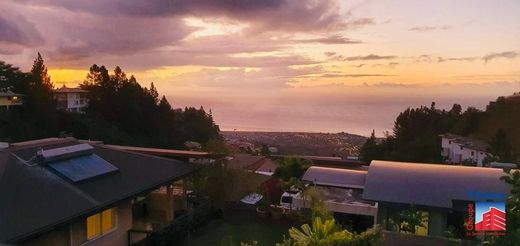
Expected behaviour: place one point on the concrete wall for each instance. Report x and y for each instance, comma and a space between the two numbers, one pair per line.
455, 154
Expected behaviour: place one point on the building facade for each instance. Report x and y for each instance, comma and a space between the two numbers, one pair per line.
72, 100
441, 193
8, 99
458, 149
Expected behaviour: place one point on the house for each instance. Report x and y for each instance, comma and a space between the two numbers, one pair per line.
61, 191
341, 191
458, 149
72, 100
378, 195
8, 99
441, 192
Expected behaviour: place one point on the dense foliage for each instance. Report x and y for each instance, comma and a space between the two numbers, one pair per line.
408, 221
220, 183
291, 167
416, 132
120, 111
328, 233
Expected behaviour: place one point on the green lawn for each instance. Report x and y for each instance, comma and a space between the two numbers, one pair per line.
238, 227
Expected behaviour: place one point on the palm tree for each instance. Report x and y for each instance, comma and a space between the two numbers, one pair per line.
326, 233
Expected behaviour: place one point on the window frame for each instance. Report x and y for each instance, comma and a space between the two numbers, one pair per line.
102, 234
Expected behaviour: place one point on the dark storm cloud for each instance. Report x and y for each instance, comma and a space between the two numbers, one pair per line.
291, 15
114, 36
80, 30
16, 30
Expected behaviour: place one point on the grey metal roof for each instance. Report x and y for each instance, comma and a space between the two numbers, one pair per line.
338, 177
34, 199
429, 184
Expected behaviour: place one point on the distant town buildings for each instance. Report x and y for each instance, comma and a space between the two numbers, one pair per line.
9, 98
458, 149
72, 100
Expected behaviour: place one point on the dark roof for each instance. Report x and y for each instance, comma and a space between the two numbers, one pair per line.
337, 177
34, 199
429, 184
267, 166
10, 94
327, 161
65, 89
244, 161
470, 143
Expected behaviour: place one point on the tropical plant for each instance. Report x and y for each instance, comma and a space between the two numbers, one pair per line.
408, 221
328, 233
291, 167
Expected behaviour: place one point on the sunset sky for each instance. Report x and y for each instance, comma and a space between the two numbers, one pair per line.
282, 65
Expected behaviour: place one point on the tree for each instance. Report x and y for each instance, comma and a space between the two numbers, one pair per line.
371, 150
40, 96
220, 183
39, 76
153, 93
410, 220
328, 233
500, 147
12, 79
291, 167
265, 150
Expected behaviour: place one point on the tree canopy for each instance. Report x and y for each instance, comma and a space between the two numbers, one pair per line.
120, 111
416, 132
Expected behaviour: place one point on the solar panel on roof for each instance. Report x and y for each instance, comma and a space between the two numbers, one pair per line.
66, 152
83, 167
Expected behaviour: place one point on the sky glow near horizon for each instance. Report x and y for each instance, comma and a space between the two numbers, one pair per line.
281, 65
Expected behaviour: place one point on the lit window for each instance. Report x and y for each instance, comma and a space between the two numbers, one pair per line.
107, 219
101, 223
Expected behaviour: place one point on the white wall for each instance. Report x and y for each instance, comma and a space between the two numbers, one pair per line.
453, 152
